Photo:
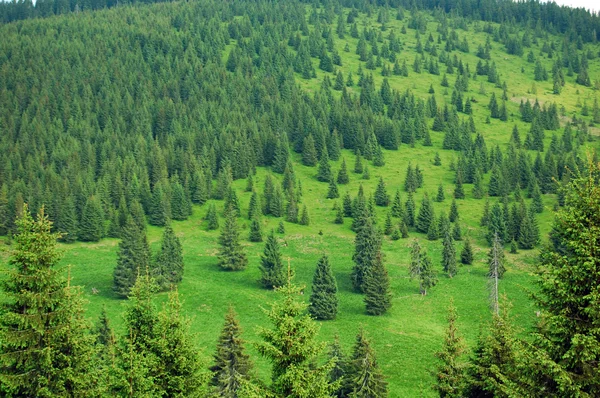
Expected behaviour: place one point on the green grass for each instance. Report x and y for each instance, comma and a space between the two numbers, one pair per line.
406, 338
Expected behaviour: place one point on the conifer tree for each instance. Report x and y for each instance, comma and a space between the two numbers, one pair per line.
309, 151
232, 202
169, 260
254, 206
433, 233
271, 264
67, 224
466, 255
133, 258
339, 215
440, 194
363, 378
426, 215
4, 210
342, 177
404, 230
332, 192
537, 204
449, 256
453, 214
378, 158
410, 210
292, 347
367, 246
496, 260
232, 366
159, 207
529, 233
232, 256
281, 228
91, 226
255, 234
180, 369
397, 208
323, 299
378, 298
459, 192
478, 190
421, 268
450, 373
338, 372
358, 166
366, 173
180, 206
381, 196
496, 225
456, 231
305, 218
250, 183
291, 211
324, 173
45, 345
389, 226
212, 218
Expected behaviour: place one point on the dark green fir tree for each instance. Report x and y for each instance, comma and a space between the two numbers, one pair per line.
133, 258
231, 256
271, 264
323, 299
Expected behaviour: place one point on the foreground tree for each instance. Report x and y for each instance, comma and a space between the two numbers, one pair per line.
569, 272
363, 378
169, 260
292, 347
323, 299
232, 366
450, 374
232, 256
378, 298
367, 246
46, 349
133, 257
271, 264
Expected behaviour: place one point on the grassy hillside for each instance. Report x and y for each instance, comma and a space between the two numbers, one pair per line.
405, 338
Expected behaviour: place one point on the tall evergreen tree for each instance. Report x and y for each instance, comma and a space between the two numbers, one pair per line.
367, 247
529, 233
232, 256
466, 255
255, 234
133, 258
449, 255
324, 173
160, 207
309, 151
342, 177
421, 268
169, 260
292, 347
67, 224
378, 298
426, 215
364, 379
91, 226
212, 218
232, 366
450, 373
271, 264
45, 345
323, 299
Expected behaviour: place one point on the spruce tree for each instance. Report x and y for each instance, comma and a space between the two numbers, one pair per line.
339, 215
338, 372
529, 233
358, 166
255, 234
45, 345
496, 225
397, 208
459, 192
367, 246
169, 260
4, 210
212, 218
449, 256
378, 298
567, 280
496, 259
421, 268
232, 256
271, 264
381, 196
323, 299
254, 206
466, 255
159, 207
332, 192
440, 194
305, 217
426, 215
91, 226
324, 173
232, 366
67, 225
180, 206
363, 378
450, 374
453, 214
389, 226
410, 210
292, 347
342, 177
232, 202
133, 258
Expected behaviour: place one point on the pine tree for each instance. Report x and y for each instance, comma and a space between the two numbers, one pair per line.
292, 347
254, 206
433, 233
378, 298
440, 194
232, 256
529, 233
271, 264
459, 192
4, 210
404, 230
169, 260
291, 211
324, 173
212, 218
567, 280
305, 218
409, 213
281, 228
389, 226
67, 225
496, 225
45, 345
421, 268
378, 158
450, 373
323, 299
133, 258
381, 196
180, 206
91, 226
232, 366
453, 213
363, 378
180, 369
397, 208
358, 166
250, 183
309, 152
367, 246
342, 177
255, 234
466, 255
339, 215
537, 204
159, 207
426, 215
338, 372
449, 256
332, 192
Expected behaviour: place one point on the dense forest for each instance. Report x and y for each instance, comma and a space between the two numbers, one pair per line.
442, 152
